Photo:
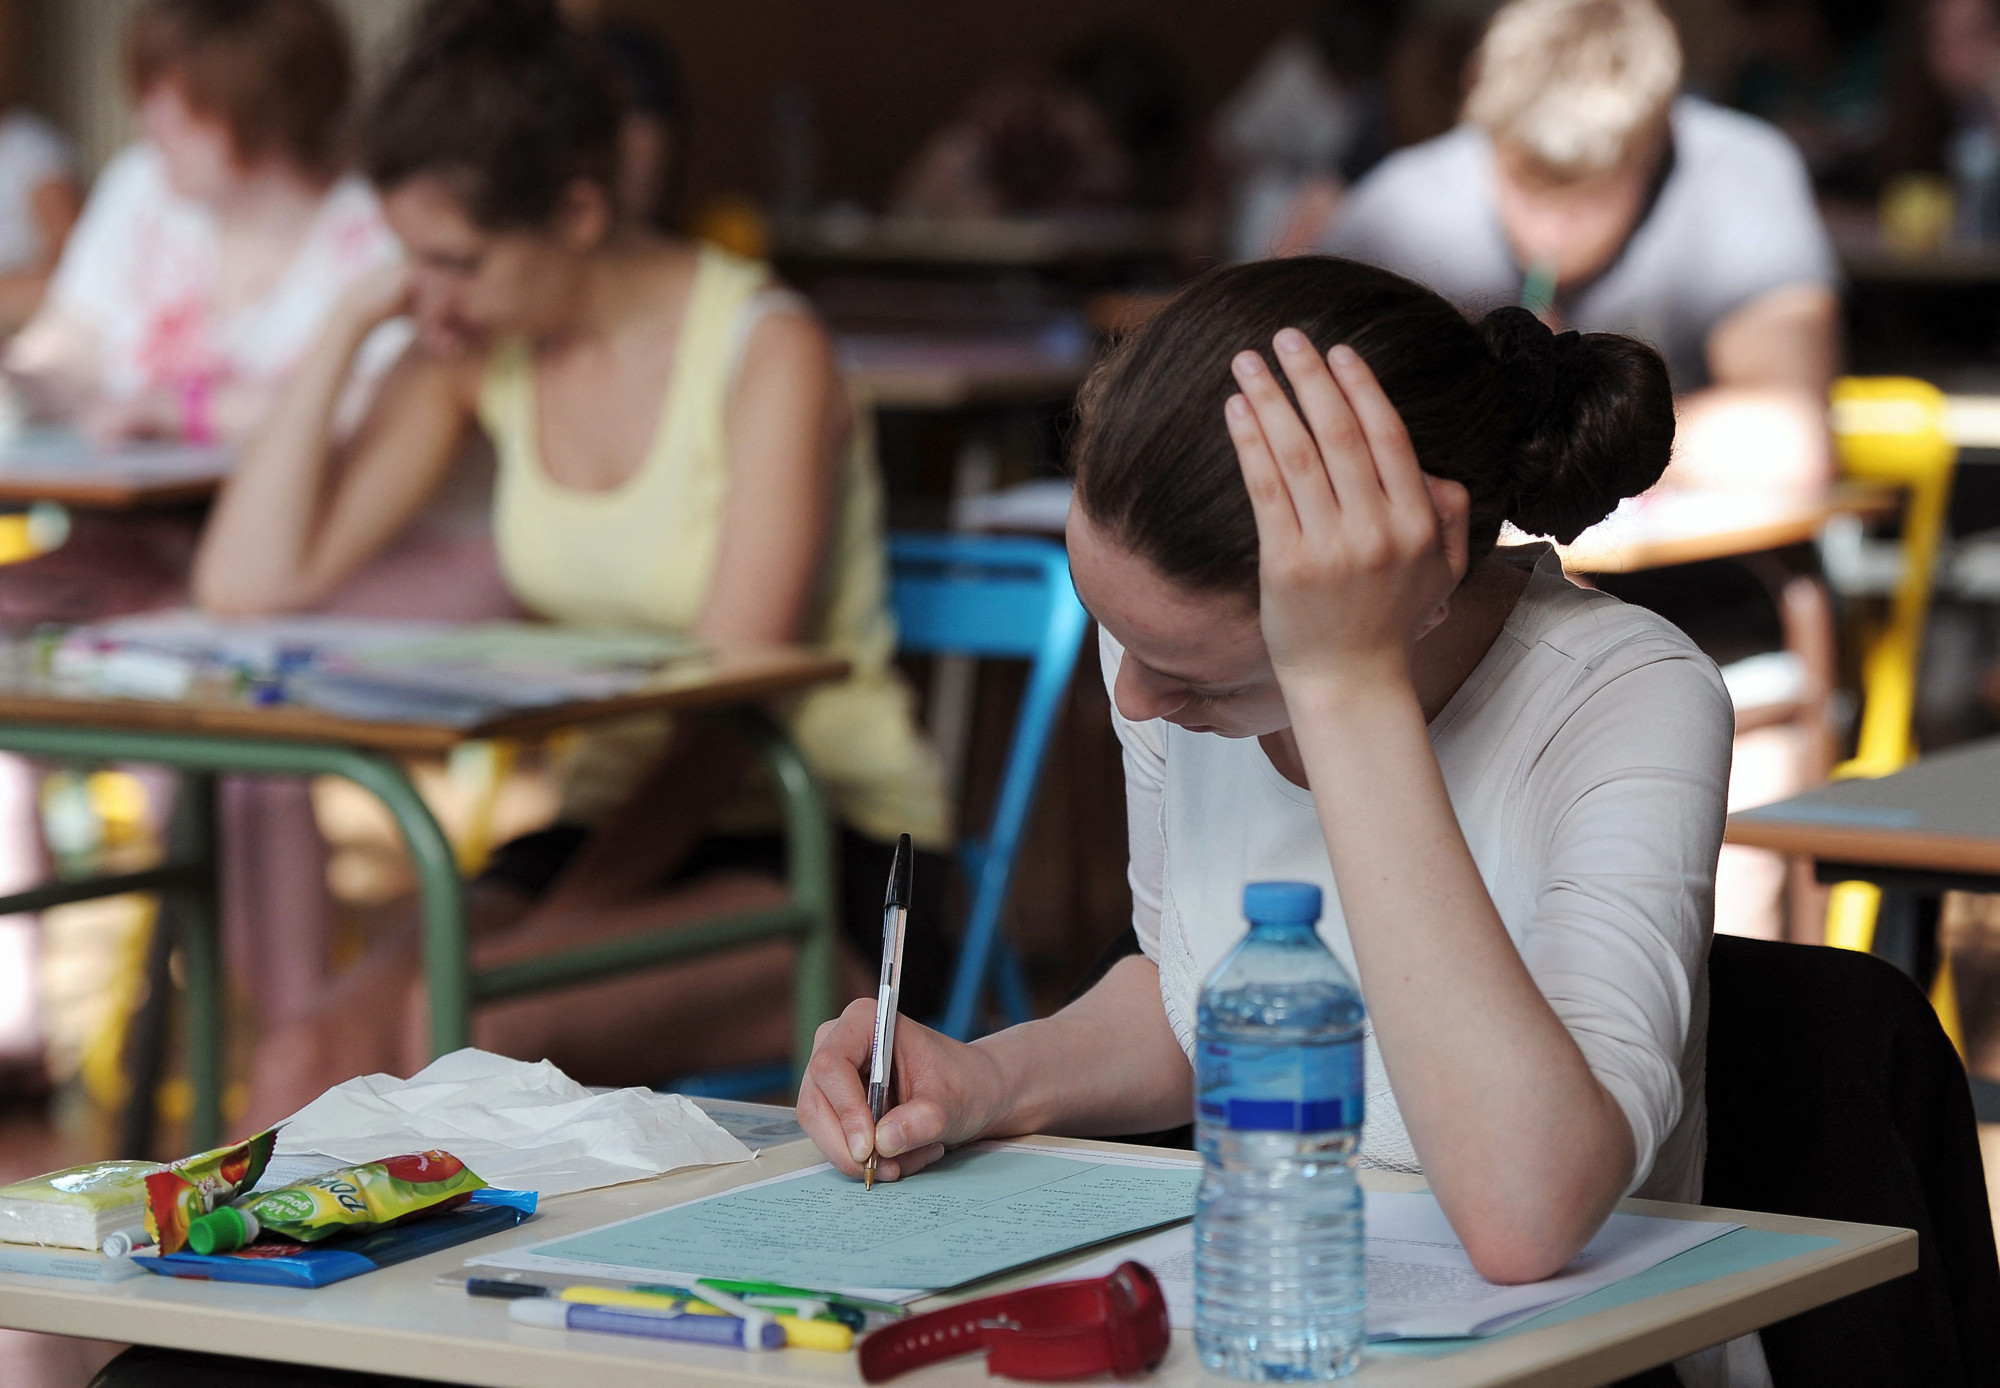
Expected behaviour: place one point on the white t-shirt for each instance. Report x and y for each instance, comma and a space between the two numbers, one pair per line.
141, 271
1733, 218
31, 154
1587, 757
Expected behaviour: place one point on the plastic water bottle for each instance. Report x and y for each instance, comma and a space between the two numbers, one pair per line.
1279, 1272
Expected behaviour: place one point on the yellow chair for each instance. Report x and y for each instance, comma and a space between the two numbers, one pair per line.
1890, 430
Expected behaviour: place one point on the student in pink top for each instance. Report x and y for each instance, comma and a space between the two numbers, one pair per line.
211, 250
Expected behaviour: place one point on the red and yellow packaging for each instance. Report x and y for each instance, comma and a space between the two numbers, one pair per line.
349, 1199
192, 1186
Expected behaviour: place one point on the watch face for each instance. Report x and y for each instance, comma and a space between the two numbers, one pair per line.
1135, 1319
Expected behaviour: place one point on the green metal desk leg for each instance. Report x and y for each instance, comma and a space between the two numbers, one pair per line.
810, 867
194, 921
447, 951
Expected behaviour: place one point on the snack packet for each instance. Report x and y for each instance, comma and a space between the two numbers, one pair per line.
344, 1200
195, 1185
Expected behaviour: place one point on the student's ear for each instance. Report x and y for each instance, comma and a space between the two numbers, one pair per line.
584, 217
1453, 504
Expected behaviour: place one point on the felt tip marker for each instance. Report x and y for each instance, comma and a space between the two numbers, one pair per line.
547, 1314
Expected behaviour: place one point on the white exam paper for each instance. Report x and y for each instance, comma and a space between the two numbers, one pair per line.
519, 1126
1421, 1283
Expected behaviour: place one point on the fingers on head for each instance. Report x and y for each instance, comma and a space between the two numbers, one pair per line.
1326, 408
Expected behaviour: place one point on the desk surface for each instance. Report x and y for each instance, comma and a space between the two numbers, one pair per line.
716, 679
1025, 242
936, 370
401, 1321
1665, 528
46, 465
1940, 814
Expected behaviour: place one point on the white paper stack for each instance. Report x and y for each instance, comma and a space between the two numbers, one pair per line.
1421, 1282
78, 1207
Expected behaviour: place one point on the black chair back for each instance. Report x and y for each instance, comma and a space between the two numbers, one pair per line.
1833, 1093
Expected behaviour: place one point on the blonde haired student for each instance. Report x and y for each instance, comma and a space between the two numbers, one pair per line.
1581, 184
674, 452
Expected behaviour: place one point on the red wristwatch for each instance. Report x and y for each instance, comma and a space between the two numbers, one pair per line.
1115, 1324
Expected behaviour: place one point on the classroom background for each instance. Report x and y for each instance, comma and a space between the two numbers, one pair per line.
975, 199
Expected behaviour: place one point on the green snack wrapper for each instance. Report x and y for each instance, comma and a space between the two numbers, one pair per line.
344, 1200
195, 1185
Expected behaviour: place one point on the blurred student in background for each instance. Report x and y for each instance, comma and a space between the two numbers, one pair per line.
675, 453
1102, 128
1311, 119
39, 201
211, 250
1580, 185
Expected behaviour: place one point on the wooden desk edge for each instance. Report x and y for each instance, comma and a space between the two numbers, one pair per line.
1859, 1260
783, 672
1847, 843
1647, 553
104, 496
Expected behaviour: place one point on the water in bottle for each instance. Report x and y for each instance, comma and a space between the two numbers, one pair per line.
1280, 1290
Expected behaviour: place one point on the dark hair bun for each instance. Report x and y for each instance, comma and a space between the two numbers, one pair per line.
1595, 416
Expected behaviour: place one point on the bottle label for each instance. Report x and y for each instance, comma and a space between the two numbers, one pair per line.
1284, 1089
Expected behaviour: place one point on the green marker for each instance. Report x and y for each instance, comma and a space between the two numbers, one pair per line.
844, 1308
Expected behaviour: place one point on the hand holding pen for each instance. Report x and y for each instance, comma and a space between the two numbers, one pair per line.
933, 1091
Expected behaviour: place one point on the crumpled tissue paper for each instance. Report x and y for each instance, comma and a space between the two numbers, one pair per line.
520, 1126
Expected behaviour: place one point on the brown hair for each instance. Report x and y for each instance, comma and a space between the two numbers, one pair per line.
1549, 431
277, 73
507, 100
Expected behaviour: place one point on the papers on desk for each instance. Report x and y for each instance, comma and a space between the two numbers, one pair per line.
977, 1213
1421, 1284
64, 456
385, 671
525, 1127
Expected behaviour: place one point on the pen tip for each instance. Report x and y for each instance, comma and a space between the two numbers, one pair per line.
868, 1175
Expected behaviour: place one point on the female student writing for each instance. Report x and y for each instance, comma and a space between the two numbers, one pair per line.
674, 452
1289, 487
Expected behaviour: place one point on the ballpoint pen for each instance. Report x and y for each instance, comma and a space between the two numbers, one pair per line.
895, 922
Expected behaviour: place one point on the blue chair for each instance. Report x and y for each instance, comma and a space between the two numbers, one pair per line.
993, 597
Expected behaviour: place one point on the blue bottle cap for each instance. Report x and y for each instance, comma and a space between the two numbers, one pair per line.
1281, 901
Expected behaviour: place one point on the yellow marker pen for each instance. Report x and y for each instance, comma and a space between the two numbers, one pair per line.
826, 1335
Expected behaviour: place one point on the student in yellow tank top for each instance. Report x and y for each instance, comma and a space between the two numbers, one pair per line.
675, 452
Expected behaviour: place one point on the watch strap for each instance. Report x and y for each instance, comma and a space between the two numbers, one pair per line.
1112, 1324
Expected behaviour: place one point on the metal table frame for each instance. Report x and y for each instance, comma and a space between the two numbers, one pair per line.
189, 885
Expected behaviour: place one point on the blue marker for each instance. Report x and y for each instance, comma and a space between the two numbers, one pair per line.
658, 1325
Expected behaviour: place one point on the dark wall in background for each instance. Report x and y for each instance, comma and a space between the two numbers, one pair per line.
883, 73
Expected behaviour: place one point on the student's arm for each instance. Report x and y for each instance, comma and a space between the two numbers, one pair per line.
1525, 1148
54, 204
787, 422
1762, 425
1106, 1064
1026, 1078
1785, 340
301, 514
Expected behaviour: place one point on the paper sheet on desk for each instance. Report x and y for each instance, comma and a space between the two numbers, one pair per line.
980, 1211
522, 1126
1421, 1284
